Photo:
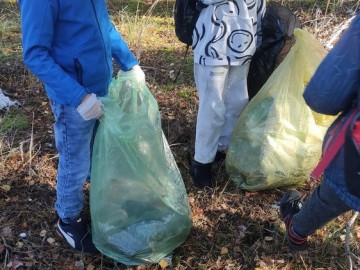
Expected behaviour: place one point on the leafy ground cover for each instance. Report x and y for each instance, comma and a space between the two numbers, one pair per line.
232, 228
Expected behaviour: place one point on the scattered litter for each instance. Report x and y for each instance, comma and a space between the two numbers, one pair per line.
5, 102
23, 235
50, 240
268, 238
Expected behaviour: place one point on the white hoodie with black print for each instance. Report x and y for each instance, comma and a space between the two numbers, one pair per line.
227, 32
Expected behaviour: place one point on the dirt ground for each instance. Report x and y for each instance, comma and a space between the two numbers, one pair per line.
232, 228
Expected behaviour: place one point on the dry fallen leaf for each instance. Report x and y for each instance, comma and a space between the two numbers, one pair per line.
79, 265
6, 232
224, 250
5, 187
90, 267
182, 105
28, 264
55, 256
163, 264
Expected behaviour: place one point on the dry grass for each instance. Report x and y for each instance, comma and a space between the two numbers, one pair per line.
232, 228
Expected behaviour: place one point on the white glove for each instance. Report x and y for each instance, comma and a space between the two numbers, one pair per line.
139, 73
90, 107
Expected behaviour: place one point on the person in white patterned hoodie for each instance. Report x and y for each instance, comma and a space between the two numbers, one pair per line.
225, 38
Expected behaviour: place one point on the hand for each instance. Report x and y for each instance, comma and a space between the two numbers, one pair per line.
139, 73
90, 107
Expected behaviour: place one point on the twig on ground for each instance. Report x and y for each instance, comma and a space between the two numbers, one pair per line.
6, 257
302, 259
221, 193
31, 142
347, 239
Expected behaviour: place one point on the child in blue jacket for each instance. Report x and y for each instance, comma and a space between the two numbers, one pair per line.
70, 45
333, 89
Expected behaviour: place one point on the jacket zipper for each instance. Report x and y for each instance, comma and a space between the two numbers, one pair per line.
102, 37
78, 70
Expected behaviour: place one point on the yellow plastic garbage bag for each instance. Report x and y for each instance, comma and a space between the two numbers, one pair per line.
278, 138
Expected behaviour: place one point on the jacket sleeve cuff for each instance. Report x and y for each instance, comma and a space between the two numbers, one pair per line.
129, 66
78, 97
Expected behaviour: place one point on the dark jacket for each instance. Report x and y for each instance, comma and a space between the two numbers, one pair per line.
334, 89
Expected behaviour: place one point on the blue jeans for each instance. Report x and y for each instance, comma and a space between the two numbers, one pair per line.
322, 206
73, 139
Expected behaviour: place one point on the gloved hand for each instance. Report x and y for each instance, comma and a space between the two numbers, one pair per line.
139, 73
90, 107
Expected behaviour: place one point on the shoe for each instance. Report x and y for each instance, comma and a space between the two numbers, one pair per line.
291, 204
77, 235
220, 156
201, 174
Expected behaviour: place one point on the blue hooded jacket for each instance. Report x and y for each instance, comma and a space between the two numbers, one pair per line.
69, 45
335, 89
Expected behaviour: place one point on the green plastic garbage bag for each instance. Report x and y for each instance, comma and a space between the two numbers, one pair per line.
277, 139
138, 202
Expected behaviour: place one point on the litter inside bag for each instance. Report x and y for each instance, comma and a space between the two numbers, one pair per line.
138, 202
277, 140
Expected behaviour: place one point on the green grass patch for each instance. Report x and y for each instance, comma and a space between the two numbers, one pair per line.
185, 93
14, 120
169, 87
10, 41
177, 260
17, 56
145, 31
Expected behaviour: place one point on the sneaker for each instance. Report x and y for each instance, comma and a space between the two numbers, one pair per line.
77, 235
201, 174
291, 204
220, 156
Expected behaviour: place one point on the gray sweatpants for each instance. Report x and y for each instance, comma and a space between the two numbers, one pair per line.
322, 206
